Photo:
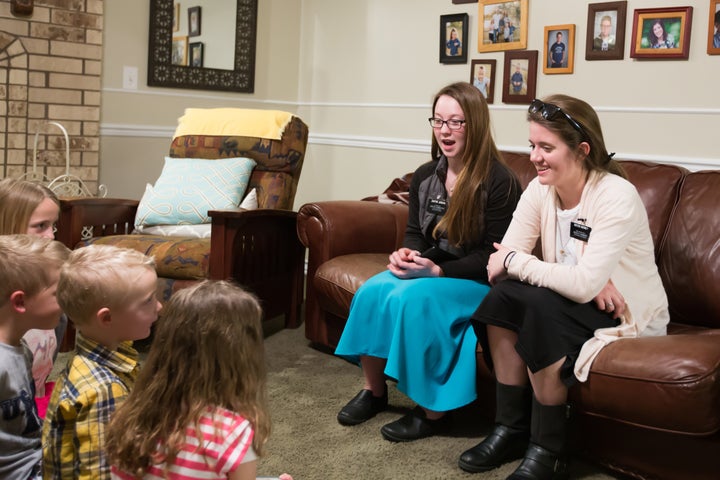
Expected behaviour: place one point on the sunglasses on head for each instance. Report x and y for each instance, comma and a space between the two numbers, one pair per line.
550, 112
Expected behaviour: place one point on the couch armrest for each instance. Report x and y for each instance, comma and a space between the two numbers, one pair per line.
260, 249
82, 218
334, 228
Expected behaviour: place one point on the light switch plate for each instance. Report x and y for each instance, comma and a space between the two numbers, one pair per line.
130, 78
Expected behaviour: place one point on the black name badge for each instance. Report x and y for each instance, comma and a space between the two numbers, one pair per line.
437, 206
580, 231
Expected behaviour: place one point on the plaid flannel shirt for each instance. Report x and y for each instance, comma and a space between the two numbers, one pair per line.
95, 382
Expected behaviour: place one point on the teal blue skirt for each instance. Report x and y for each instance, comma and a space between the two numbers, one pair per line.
422, 327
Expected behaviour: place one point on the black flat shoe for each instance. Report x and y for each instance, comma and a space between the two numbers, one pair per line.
362, 408
501, 446
540, 464
414, 426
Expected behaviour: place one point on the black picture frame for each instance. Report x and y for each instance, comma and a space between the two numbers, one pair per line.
195, 54
161, 73
194, 21
598, 14
450, 52
526, 62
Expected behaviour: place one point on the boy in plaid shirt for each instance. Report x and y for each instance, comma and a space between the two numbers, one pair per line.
109, 294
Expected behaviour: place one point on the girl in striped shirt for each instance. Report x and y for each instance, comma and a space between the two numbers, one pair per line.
198, 409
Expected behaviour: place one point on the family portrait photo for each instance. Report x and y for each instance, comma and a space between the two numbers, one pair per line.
503, 25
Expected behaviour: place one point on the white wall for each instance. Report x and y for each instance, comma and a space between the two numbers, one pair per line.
362, 75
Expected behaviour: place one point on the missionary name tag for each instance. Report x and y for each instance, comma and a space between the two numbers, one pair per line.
437, 206
580, 231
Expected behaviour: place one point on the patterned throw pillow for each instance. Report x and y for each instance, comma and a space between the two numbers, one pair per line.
202, 230
189, 187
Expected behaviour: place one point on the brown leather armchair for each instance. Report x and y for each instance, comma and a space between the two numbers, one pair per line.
651, 406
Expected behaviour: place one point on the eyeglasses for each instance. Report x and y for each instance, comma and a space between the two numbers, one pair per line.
453, 124
550, 112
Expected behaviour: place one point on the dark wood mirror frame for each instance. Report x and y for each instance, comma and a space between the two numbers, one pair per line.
161, 73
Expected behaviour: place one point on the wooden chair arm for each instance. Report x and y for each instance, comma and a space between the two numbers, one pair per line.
260, 249
82, 218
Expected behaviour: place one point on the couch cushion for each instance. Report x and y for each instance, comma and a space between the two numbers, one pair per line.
175, 257
689, 262
337, 280
674, 382
658, 187
188, 187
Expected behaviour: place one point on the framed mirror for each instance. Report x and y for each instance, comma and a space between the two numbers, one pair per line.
164, 68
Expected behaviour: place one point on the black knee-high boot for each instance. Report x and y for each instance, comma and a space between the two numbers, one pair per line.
509, 439
546, 456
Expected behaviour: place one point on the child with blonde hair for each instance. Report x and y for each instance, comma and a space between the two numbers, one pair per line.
27, 207
110, 295
29, 271
199, 408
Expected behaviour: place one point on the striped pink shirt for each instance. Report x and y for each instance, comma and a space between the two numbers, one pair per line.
223, 443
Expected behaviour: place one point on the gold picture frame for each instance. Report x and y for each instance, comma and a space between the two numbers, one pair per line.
559, 55
713, 47
503, 25
179, 52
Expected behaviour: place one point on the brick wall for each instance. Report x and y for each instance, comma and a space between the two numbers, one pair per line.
50, 66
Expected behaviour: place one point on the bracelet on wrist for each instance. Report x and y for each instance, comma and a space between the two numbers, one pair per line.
508, 259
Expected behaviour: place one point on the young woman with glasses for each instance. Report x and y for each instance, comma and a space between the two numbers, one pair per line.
544, 321
411, 323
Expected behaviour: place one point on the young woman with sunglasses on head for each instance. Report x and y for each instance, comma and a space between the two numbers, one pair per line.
412, 322
544, 321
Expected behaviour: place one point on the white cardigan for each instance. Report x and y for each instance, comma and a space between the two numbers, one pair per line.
619, 248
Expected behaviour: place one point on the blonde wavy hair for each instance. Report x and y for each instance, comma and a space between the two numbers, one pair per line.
18, 201
207, 352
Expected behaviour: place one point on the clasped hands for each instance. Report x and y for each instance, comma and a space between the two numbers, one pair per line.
407, 263
609, 299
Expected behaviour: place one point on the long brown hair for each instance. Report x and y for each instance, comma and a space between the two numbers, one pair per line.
598, 158
207, 352
464, 219
18, 201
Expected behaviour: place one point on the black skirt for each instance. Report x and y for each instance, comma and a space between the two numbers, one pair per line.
549, 326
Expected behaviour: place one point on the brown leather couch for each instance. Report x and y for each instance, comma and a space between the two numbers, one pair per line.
651, 406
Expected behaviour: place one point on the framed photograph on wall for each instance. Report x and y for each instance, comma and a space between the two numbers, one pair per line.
502, 25
196, 54
559, 52
453, 38
482, 76
193, 21
661, 33
179, 53
714, 28
605, 38
520, 76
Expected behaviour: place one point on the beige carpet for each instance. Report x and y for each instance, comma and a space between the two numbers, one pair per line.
307, 388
